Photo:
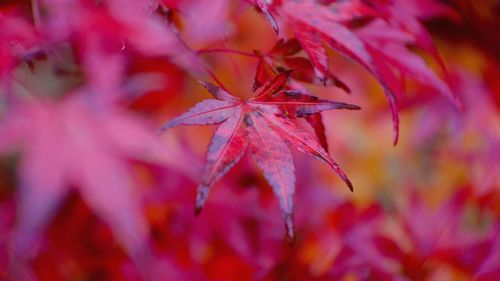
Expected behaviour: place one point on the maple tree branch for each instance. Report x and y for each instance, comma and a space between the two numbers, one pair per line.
205, 67
230, 51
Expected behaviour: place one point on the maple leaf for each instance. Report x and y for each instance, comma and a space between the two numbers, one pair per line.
445, 220
87, 150
346, 243
260, 125
432, 235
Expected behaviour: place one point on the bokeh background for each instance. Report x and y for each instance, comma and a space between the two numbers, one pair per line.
426, 209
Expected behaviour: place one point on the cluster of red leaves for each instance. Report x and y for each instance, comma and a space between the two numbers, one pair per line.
380, 45
72, 81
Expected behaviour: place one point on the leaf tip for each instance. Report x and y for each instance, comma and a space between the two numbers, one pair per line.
197, 210
343, 105
201, 197
349, 185
354, 107
396, 134
347, 182
162, 129
395, 141
289, 228
395, 122
342, 85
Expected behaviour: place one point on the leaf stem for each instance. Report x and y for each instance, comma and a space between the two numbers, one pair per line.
230, 51
217, 81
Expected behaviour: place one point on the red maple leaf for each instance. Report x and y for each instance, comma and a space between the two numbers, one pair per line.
261, 125
70, 145
346, 243
432, 235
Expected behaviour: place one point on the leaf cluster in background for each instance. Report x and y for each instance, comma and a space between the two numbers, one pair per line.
95, 185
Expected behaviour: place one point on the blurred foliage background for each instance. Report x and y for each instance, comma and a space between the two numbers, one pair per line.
426, 209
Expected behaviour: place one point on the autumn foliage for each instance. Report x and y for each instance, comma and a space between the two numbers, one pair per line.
102, 176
